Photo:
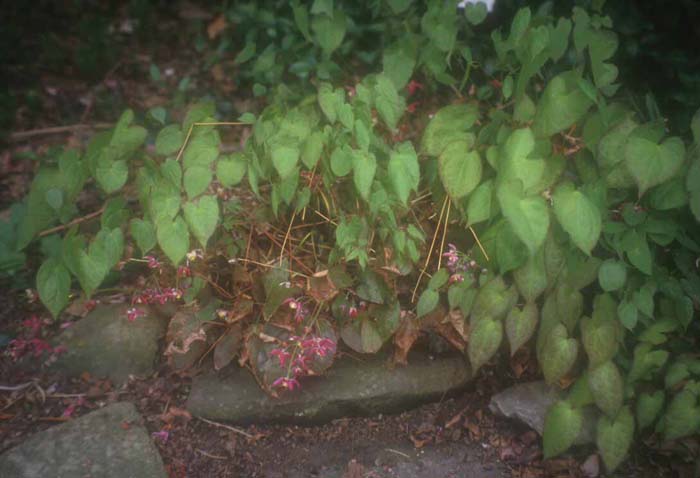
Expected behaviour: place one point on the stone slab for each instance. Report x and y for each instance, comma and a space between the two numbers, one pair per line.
106, 344
349, 388
107, 443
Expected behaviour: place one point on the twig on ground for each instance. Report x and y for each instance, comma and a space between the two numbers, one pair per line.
209, 455
227, 427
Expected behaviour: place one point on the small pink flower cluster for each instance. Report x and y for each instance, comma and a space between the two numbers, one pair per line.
153, 263
353, 310
458, 264
153, 296
300, 310
134, 313
297, 355
184, 271
32, 343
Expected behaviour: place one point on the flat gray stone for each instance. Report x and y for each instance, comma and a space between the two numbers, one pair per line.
105, 344
96, 445
349, 388
529, 402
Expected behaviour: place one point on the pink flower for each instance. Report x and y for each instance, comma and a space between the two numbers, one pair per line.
134, 313
413, 86
34, 324
411, 108
184, 271
152, 262
282, 356
162, 435
287, 383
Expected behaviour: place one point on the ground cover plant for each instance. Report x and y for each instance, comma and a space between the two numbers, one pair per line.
537, 209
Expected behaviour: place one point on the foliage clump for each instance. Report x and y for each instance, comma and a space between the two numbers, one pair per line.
572, 221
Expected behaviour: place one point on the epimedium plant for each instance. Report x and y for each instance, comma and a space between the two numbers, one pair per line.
572, 225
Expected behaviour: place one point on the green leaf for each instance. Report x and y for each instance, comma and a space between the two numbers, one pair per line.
439, 279
54, 198
627, 312
637, 249
682, 417
650, 163
389, 104
480, 203
528, 216
330, 101
399, 60
484, 341
578, 216
600, 339
364, 166
144, 233
202, 216
649, 405
558, 354
612, 275
403, 170
449, 124
200, 152
531, 278
196, 180
171, 170
614, 437
173, 238
92, 266
111, 175
427, 302
562, 425
460, 169
329, 31
521, 326
646, 362
562, 104
231, 169
475, 12
169, 140
341, 161
285, 157
301, 18
494, 300
693, 187
607, 387
53, 284
312, 149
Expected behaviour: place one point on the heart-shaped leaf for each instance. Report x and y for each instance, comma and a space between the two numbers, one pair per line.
558, 354
614, 437
196, 180
202, 216
484, 341
364, 165
531, 278
53, 284
173, 238
649, 405
578, 216
651, 163
528, 216
404, 172
460, 169
607, 387
682, 417
521, 326
562, 426
600, 340
144, 233
450, 124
